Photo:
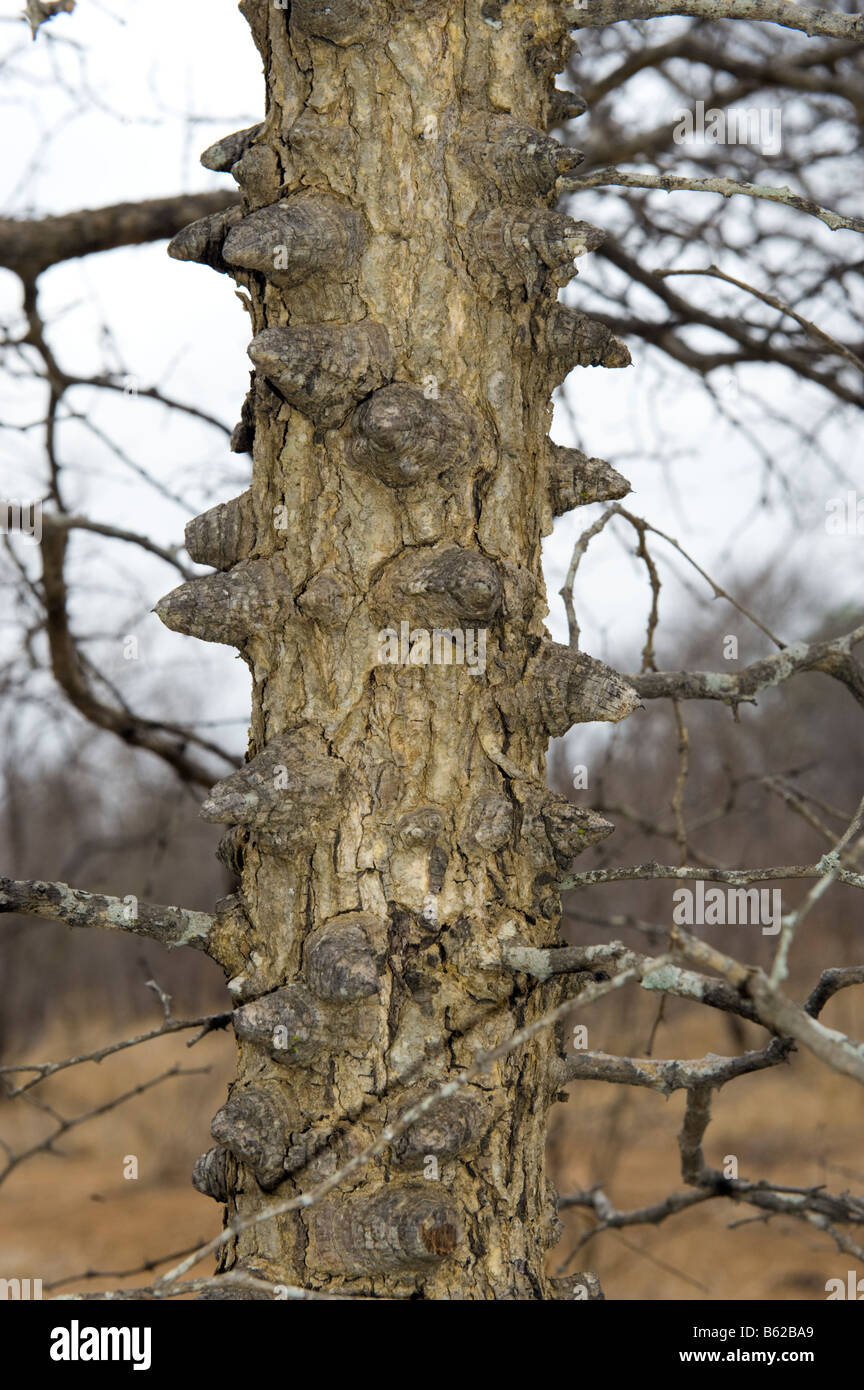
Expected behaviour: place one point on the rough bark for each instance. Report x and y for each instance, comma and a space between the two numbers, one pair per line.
392, 825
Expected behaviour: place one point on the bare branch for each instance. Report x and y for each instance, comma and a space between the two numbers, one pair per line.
171, 926
727, 188
791, 923
672, 1075
207, 1023
829, 983
832, 658
594, 14
773, 302
737, 877
63, 1125
98, 528
543, 964
788, 1019
29, 247
166, 741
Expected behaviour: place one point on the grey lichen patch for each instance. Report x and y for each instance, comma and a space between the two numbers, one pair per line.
672, 977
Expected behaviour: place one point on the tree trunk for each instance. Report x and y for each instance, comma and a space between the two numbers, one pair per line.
392, 828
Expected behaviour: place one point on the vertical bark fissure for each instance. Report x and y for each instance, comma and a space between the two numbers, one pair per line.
401, 262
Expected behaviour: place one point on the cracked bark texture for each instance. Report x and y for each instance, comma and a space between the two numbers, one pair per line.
392, 820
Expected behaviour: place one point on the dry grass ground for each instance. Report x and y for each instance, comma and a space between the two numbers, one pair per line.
63, 1215
798, 1124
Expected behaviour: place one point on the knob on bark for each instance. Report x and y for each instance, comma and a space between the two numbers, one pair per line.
401, 437
521, 162
440, 584
224, 535
490, 823
575, 340
572, 688
572, 829
212, 1175
296, 238
324, 369
450, 1128
399, 1228
327, 599
575, 480
288, 1023
340, 960
223, 155
552, 823
202, 241
291, 780
251, 598
254, 1125
565, 106
528, 248
342, 22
